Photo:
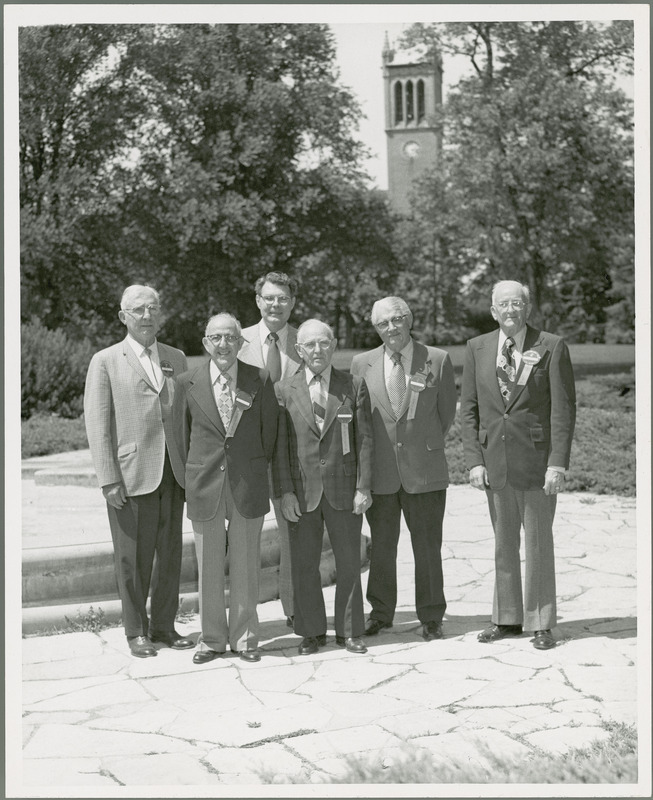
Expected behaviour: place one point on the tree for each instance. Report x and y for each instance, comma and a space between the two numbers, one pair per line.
536, 177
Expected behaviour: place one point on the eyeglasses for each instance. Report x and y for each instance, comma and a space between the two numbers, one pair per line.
270, 299
322, 344
518, 304
139, 311
385, 323
229, 338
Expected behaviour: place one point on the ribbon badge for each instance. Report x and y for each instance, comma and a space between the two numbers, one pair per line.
166, 369
416, 384
344, 416
243, 400
530, 359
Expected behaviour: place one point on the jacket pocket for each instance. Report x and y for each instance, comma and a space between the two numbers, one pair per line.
126, 449
482, 436
537, 434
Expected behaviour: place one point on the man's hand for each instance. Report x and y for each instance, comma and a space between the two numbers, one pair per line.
362, 501
290, 507
554, 481
478, 477
114, 494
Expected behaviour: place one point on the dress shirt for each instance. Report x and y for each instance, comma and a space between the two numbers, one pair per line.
149, 363
214, 372
517, 347
282, 343
406, 362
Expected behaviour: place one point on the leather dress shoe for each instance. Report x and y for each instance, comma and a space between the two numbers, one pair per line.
543, 640
141, 646
375, 625
173, 639
432, 630
311, 644
290, 621
496, 632
204, 656
249, 655
351, 643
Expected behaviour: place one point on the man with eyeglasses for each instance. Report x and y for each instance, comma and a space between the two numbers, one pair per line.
225, 415
323, 465
128, 415
413, 397
518, 410
271, 344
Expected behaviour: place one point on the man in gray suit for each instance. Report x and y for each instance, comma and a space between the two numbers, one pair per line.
127, 411
271, 344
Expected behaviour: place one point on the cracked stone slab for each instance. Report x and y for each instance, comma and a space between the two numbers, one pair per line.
251, 764
96, 696
343, 742
478, 748
63, 647
68, 772
560, 740
163, 771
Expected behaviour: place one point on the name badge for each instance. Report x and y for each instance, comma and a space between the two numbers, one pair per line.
416, 384
166, 369
243, 400
344, 417
531, 357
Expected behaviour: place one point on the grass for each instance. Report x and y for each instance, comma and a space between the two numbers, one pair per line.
44, 434
613, 760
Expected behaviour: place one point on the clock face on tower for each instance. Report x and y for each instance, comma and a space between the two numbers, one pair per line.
411, 150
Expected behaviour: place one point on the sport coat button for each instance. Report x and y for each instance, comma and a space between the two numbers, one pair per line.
503, 437
505, 416
399, 444
222, 467
322, 461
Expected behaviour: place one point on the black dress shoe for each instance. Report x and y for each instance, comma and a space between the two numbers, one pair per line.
351, 643
543, 640
311, 644
375, 625
290, 621
204, 656
173, 639
496, 632
249, 655
432, 630
141, 646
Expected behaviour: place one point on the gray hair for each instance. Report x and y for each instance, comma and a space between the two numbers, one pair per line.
526, 292
396, 302
134, 289
229, 316
311, 321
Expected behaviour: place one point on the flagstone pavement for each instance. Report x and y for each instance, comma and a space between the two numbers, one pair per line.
95, 720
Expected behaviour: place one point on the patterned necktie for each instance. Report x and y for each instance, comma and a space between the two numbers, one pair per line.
506, 370
225, 404
273, 363
318, 402
152, 373
397, 384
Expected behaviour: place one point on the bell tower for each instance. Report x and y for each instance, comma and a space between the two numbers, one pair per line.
413, 97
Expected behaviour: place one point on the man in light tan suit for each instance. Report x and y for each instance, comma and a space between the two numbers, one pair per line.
128, 415
271, 344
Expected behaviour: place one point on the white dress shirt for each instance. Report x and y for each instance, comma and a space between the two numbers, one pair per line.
151, 364
214, 373
518, 347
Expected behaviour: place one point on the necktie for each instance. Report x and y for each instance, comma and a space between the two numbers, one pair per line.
151, 371
397, 384
273, 363
225, 404
318, 401
506, 369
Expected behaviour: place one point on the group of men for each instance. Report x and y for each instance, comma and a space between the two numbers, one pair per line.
269, 417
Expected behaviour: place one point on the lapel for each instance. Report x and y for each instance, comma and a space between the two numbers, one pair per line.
532, 341
375, 381
135, 363
418, 364
336, 393
248, 382
487, 366
302, 398
201, 390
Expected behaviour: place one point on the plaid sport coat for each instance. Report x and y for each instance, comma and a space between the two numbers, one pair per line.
128, 421
310, 463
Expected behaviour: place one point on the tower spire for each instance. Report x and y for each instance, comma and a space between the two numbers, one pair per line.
387, 53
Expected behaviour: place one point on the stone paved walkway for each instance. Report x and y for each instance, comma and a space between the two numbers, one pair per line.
96, 720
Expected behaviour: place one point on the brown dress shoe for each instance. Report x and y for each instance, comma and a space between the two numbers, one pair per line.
172, 639
351, 643
496, 632
204, 656
141, 646
432, 630
311, 644
375, 625
543, 640
249, 655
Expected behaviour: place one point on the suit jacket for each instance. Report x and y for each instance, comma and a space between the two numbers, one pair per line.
310, 463
252, 353
517, 442
128, 421
210, 452
409, 453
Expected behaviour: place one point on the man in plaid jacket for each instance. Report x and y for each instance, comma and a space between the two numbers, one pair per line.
127, 410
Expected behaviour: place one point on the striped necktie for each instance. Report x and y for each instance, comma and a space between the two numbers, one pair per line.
319, 409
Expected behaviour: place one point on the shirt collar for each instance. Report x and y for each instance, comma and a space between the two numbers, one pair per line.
406, 355
264, 332
518, 339
215, 373
325, 375
139, 349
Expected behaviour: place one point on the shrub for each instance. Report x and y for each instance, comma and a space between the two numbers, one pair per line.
44, 434
53, 371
